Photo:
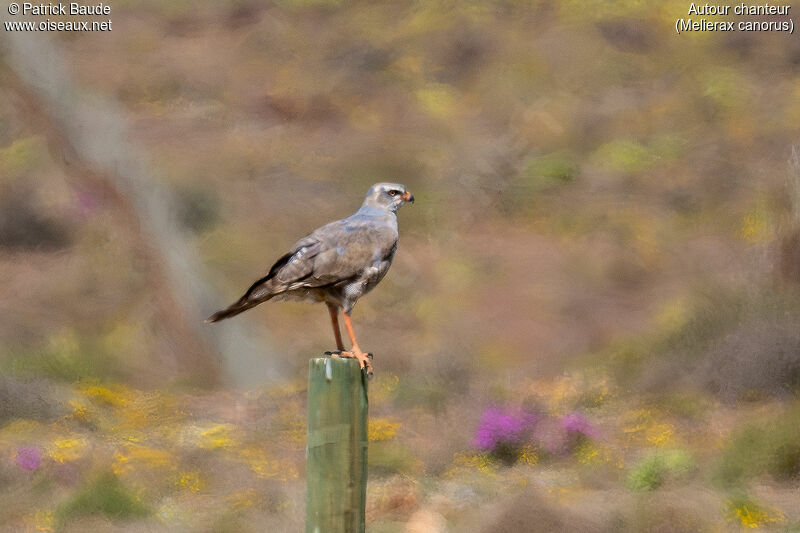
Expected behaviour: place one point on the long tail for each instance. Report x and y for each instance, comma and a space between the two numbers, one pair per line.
242, 305
260, 291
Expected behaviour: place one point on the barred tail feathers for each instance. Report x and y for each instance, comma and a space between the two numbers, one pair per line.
260, 291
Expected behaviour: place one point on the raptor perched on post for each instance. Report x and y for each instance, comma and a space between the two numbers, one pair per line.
336, 264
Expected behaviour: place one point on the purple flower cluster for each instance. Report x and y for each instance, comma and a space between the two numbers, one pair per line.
504, 432
577, 425
28, 458
504, 427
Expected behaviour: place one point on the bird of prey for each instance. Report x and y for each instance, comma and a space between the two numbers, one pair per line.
336, 264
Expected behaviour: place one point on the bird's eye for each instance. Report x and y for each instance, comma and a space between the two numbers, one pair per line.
394, 193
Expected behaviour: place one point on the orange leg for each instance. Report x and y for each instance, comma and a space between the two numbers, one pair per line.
334, 311
356, 352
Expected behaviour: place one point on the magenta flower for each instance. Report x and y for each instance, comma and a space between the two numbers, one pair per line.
28, 458
503, 432
577, 425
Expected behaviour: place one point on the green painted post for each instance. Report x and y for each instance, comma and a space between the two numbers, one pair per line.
336, 446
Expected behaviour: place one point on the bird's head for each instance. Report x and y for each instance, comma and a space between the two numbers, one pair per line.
388, 196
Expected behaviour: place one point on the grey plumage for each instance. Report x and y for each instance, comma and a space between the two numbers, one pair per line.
337, 263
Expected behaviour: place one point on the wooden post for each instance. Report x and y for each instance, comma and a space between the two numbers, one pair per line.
336, 446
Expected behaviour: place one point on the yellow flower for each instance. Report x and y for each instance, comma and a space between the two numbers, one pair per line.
146, 412
219, 436
133, 436
753, 228
64, 450
191, 481
106, 396
588, 454
135, 457
752, 516
644, 427
44, 521
267, 467
659, 434
381, 429
528, 456
466, 462
80, 412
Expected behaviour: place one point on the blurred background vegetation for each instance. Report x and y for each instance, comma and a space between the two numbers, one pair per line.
591, 323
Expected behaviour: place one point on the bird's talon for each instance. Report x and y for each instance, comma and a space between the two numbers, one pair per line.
362, 358
366, 366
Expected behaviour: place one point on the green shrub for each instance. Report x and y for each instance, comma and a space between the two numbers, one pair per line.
548, 171
104, 495
770, 447
658, 467
624, 156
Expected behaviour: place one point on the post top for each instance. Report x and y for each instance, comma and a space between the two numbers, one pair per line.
334, 367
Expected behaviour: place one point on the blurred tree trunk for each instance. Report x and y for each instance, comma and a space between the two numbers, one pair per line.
789, 260
89, 139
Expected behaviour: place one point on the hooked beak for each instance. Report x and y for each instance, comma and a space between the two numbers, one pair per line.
408, 197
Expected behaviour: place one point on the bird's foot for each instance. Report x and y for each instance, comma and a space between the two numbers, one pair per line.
364, 359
